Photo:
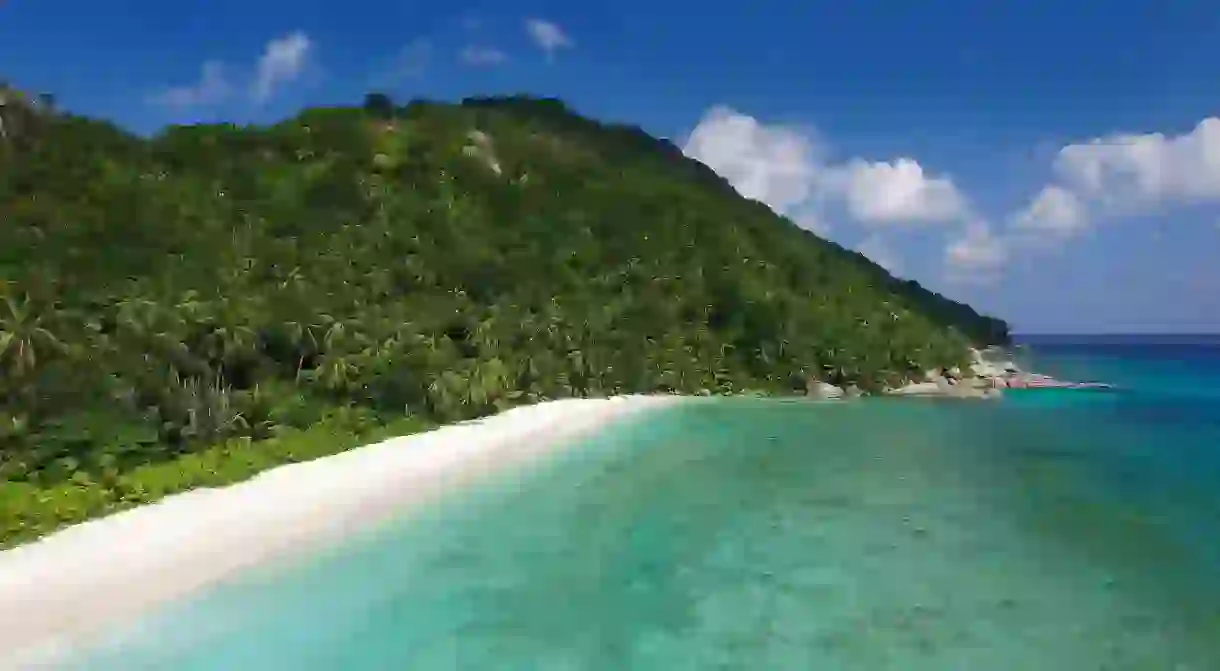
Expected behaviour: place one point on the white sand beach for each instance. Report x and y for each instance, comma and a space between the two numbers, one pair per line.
59, 592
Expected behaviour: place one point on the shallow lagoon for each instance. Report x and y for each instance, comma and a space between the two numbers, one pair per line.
1053, 530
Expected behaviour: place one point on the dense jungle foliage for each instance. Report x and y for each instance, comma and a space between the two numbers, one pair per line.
189, 308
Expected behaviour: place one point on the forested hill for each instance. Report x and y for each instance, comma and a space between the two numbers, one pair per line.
165, 293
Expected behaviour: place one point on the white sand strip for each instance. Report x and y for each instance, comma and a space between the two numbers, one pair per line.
60, 591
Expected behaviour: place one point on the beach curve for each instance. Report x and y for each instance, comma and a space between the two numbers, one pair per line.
62, 591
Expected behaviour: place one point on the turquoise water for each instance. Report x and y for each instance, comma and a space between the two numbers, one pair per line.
1050, 530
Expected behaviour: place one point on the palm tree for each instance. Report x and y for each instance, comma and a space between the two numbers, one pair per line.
337, 374
445, 393
24, 341
334, 331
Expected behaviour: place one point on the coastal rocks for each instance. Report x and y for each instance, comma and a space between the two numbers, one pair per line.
942, 387
914, 389
818, 390
989, 379
981, 366
826, 390
987, 369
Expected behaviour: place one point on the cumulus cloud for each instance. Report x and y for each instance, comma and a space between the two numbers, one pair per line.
897, 192
283, 61
977, 255
1146, 169
483, 56
212, 88
784, 167
810, 220
549, 36
773, 164
1125, 174
1055, 210
881, 253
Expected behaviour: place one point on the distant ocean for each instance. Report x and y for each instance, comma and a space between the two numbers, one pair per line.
1072, 530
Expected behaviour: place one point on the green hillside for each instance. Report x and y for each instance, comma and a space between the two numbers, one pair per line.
183, 303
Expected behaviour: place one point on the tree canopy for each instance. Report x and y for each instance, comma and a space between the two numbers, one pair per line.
161, 296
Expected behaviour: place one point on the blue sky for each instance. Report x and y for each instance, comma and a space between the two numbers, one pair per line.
1057, 163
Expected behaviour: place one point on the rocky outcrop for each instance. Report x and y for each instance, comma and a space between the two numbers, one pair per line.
817, 390
988, 379
950, 383
480, 147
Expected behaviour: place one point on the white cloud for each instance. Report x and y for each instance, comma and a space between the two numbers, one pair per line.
812, 221
282, 61
548, 35
783, 167
881, 253
786, 168
1123, 170
896, 192
1126, 174
212, 88
773, 164
976, 256
480, 55
1054, 210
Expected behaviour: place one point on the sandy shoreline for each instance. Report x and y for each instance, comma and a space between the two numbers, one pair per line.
60, 591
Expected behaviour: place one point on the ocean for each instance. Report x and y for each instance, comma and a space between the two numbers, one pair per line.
1052, 529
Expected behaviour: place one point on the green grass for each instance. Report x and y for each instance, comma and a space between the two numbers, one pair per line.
29, 511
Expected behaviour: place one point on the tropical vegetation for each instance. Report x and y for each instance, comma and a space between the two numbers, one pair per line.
190, 308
